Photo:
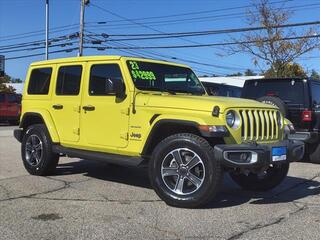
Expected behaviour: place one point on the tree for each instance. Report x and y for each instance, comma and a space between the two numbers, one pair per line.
315, 75
238, 74
289, 70
249, 72
271, 45
8, 79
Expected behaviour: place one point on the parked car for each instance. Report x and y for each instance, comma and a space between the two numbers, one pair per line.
133, 111
299, 100
10, 108
219, 89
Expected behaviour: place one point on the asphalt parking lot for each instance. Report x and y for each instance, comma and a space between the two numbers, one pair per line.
94, 200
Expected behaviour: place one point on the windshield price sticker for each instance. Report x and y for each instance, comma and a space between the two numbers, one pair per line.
140, 74
144, 75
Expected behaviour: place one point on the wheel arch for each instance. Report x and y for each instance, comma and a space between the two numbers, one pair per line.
40, 117
167, 127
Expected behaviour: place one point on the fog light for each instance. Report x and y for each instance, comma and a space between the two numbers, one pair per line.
241, 157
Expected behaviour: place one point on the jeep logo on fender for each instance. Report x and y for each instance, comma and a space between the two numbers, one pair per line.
135, 135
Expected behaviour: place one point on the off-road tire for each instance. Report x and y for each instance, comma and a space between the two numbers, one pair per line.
211, 180
275, 101
47, 160
252, 182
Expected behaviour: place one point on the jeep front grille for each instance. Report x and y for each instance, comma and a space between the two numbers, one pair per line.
259, 125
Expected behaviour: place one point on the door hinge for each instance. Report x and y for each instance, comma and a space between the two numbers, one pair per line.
77, 109
124, 135
76, 131
125, 111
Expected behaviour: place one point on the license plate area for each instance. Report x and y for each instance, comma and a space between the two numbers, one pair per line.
279, 154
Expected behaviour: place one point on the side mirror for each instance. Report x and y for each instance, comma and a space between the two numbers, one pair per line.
120, 89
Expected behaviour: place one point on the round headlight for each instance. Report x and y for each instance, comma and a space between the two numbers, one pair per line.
279, 119
232, 119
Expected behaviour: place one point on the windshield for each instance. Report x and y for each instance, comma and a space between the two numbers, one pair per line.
163, 77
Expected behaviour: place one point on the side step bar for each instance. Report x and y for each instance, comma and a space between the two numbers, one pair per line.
91, 155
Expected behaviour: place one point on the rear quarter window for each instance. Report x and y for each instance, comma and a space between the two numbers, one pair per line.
39, 81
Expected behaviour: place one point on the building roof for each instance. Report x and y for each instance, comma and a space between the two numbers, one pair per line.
233, 81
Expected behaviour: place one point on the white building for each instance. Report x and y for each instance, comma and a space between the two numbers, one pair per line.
233, 81
17, 86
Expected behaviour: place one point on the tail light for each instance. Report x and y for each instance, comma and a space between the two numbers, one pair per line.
306, 116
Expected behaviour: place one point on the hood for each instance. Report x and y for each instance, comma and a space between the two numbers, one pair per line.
196, 103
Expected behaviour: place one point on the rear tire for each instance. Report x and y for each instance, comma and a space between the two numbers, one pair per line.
314, 152
36, 151
253, 182
275, 101
183, 171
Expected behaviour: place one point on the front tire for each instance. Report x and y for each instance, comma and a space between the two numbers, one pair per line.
36, 151
268, 180
183, 171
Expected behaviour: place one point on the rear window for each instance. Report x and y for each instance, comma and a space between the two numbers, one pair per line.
2, 98
288, 91
68, 82
39, 81
12, 98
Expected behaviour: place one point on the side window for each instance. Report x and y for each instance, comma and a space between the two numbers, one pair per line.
104, 79
68, 81
39, 81
316, 93
2, 98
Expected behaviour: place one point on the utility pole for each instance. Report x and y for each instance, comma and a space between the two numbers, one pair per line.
82, 8
47, 29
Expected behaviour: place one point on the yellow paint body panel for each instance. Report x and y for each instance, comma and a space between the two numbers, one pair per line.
113, 127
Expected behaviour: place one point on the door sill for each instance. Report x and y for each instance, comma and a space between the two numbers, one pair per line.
100, 156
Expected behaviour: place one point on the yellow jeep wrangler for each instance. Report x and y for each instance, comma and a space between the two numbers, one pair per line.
133, 111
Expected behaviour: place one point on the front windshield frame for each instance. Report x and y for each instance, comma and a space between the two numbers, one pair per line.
166, 81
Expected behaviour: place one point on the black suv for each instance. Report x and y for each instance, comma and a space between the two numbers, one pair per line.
299, 100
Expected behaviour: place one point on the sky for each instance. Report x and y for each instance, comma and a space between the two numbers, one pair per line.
23, 21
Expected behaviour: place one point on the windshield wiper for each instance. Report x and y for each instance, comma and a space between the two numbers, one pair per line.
160, 90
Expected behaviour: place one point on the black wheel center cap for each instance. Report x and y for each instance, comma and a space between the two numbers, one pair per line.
183, 171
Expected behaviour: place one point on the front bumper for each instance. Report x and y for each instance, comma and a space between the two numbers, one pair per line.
307, 137
261, 154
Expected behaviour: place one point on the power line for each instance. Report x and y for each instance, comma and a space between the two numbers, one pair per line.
213, 44
198, 12
165, 57
150, 36
36, 48
41, 54
194, 19
39, 42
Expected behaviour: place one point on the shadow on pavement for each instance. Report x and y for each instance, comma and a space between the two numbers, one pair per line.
293, 188
107, 172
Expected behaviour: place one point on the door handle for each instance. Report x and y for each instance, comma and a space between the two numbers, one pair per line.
57, 106
88, 108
